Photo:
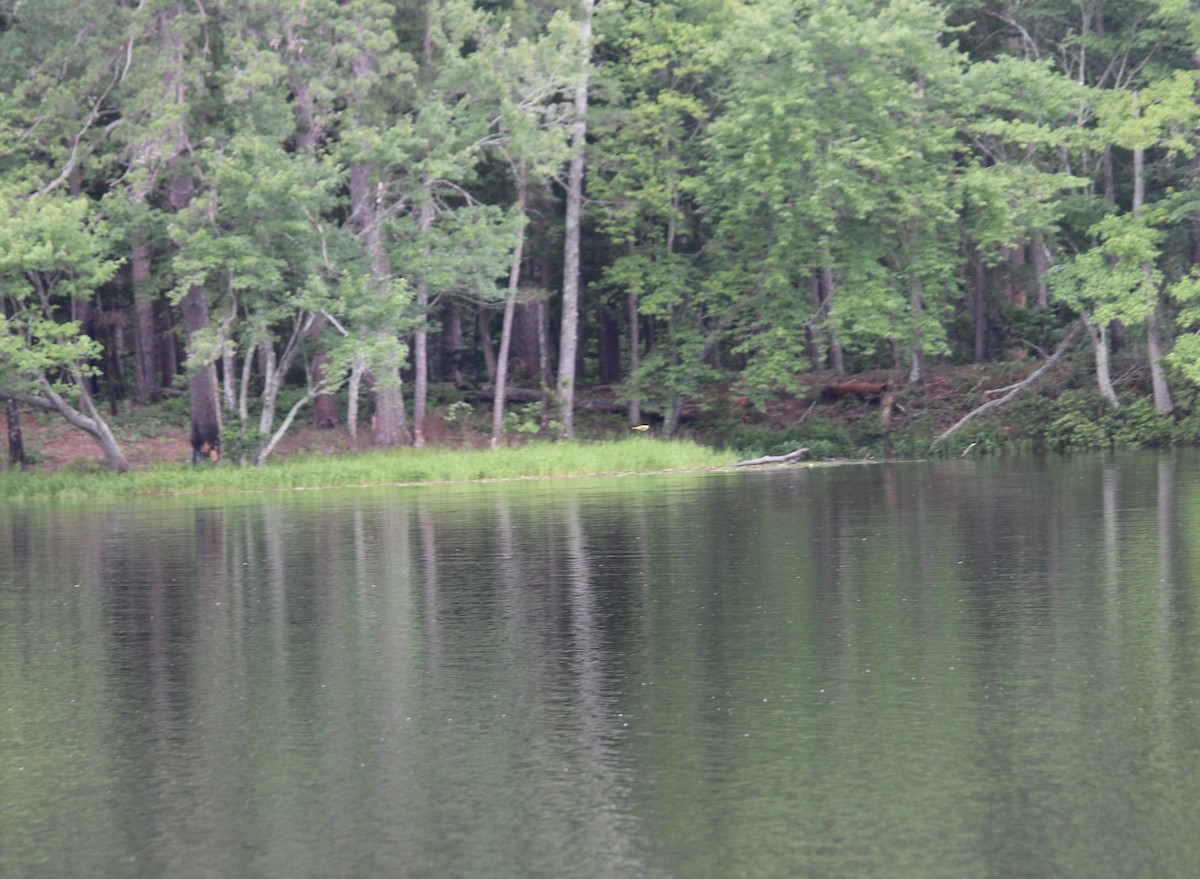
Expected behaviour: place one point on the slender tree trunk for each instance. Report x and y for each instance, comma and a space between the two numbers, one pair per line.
569, 334
1154, 350
421, 337
836, 359
1099, 337
452, 342
271, 380
353, 388
425, 213
1018, 297
543, 331
16, 440
674, 415
510, 305
1154, 346
1194, 216
483, 325
635, 352
229, 362
609, 347
979, 302
916, 371
1039, 262
812, 348
168, 361
1116, 330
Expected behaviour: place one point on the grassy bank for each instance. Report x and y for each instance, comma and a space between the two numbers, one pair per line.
404, 466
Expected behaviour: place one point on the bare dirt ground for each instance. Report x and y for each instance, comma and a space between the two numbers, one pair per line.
52, 444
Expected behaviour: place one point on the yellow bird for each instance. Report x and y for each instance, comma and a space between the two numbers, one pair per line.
640, 428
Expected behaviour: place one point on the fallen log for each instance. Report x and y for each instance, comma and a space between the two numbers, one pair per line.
865, 390
774, 459
1013, 390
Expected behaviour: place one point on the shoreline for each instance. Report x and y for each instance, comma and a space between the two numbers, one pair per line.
401, 468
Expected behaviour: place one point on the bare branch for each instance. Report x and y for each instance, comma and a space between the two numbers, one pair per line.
1015, 389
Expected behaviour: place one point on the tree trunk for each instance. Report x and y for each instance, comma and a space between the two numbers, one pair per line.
543, 329
1018, 297
510, 304
526, 351
916, 371
1099, 337
1154, 350
812, 350
425, 214
325, 414
204, 404
1194, 216
836, 359
229, 386
388, 426
609, 349
671, 422
483, 325
452, 343
357, 370
635, 353
145, 336
16, 441
1039, 262
421, 336
569, 334
89, 420
168, 360
979, 303
1154, 347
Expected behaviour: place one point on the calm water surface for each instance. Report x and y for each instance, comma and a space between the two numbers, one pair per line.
948, 669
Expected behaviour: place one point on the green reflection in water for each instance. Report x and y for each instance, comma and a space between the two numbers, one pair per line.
949, 669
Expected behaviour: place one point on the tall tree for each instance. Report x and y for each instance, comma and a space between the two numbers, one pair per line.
53, 256
568, 346
661, 80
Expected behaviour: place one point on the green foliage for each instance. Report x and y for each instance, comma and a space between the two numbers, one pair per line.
1076, 432
459, 412
1085, 423
526, 419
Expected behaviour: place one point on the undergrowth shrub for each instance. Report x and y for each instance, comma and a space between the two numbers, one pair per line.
1139, 425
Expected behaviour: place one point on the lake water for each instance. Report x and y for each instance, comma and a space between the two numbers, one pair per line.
948, 669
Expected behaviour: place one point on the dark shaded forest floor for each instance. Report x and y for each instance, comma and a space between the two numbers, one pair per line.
158, 434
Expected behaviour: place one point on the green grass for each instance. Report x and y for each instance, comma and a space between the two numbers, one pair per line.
405, 466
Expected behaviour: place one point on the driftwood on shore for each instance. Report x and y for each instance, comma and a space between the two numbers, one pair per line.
774, 459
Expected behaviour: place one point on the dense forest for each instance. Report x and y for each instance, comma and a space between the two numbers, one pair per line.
331, 207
